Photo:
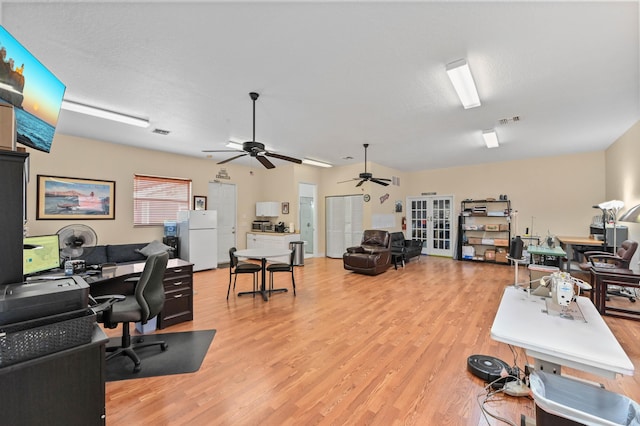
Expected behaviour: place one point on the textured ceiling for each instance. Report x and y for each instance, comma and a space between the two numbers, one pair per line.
335, 75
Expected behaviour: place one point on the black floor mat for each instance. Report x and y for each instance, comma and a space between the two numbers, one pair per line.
184, 354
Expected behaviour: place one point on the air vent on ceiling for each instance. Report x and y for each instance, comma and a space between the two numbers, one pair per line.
161, 131
505, 121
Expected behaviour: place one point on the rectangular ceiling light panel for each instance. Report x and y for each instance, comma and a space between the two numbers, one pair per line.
460, 75
315, 163
103, 113
490, 138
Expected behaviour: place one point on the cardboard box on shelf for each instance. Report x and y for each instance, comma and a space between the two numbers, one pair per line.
475, 240
490, 254
504, 227
501, 242
501, 255
492, 227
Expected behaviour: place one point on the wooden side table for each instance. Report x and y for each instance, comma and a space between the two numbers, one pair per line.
602, 278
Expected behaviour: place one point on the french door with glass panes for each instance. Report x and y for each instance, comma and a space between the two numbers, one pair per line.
430, 220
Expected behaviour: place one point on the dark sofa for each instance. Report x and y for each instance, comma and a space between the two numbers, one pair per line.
116, 253
403, 250
372, 256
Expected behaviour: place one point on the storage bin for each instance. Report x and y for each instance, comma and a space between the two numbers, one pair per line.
149, 327
34, 338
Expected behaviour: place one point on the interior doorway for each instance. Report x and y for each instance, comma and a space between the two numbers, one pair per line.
308, 218
222, 198
430, 220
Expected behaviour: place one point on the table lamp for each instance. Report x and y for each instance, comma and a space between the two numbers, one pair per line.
633, 215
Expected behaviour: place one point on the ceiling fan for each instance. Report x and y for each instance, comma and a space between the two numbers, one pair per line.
364, 177
256, 149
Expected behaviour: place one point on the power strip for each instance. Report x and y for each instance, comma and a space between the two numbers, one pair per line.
516, 388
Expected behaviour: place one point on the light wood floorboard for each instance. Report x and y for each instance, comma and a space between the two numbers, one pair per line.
350, 349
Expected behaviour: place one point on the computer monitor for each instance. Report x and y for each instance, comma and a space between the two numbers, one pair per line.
40, 253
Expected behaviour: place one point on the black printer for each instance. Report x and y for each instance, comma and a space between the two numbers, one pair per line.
37, 299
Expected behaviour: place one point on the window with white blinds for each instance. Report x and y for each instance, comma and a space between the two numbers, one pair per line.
156, 199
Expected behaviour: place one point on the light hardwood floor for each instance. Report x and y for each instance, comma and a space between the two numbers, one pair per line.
348, 350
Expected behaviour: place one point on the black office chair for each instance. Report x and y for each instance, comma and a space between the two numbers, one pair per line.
144, 304
236, 267
282, 267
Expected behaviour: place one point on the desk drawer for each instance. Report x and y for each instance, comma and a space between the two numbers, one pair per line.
178, 307
178, 271
178, 283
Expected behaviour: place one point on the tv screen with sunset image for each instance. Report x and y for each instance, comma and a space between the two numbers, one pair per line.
33, 90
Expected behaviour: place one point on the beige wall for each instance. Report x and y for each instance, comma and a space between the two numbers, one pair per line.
557, 192
622, 161
84, 158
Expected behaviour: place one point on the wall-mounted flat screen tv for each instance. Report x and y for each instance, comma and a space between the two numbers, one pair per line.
33, 90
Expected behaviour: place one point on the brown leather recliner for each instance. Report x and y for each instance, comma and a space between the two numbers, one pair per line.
372, 256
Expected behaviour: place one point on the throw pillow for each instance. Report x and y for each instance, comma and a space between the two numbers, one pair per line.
154, 247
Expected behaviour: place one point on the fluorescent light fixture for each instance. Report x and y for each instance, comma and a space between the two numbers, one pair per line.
490, 138
315, 163
234, 145
462, 80
103, 113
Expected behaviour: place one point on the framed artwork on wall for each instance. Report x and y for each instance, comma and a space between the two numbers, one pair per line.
75, 198
199, 202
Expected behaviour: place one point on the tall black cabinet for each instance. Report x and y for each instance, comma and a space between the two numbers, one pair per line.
12, 214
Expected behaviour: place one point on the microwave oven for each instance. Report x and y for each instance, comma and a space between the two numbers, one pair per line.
261, 225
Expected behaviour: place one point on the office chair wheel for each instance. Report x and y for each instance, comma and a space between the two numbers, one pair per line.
632, 299
137, 368
164, 347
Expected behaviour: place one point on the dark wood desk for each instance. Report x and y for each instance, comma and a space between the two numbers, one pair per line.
178, 288
602, 278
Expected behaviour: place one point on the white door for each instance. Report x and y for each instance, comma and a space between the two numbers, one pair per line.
343, 223
431, 220
308, 218
222, 198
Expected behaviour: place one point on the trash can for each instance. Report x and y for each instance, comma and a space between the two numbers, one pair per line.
564, 401
297, 247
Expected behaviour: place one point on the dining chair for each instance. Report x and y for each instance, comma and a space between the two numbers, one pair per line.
236, 267
282, 267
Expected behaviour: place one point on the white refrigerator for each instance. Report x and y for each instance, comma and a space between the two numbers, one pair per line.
198, 236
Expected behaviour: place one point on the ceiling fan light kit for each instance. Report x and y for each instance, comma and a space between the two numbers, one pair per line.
253, 148
366, 176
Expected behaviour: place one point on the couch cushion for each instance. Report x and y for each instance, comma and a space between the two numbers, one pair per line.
122, 253
95, 256
154, 247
